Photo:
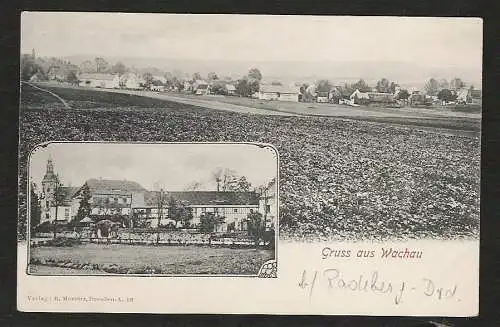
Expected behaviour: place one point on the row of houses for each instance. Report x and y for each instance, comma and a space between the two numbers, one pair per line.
130, 199
112, 81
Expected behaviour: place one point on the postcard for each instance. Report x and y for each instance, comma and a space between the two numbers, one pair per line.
249, 164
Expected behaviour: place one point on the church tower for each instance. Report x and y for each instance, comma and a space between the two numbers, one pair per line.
49, 184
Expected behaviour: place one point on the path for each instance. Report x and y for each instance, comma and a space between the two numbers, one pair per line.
66, 105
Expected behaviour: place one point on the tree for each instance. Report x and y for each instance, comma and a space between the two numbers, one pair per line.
35, 208
210, 221
324, 86
88, 67
254, 73
443, 84
383, 86
212, 76
196, 76
179, 212
446, 95
392, 88
101, 65
242, 185
58, 201
403, 95
255, 225
118, 68
456, 83
431, 87
148, 78
85, 208
28, 67
254, 86
361, 86
228, 180
72, 78
218, 89
243, 88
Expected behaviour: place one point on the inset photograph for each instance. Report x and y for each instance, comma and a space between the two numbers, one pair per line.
173, 209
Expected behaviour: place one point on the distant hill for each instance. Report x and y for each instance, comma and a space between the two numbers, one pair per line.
404, 73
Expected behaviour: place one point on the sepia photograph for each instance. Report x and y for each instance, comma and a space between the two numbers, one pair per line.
152, 208
357, 159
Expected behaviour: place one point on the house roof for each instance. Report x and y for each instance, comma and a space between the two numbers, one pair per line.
111, 186
202, 86
97, 76
230, 87
68, 192
279, 89
206, 198
360, 95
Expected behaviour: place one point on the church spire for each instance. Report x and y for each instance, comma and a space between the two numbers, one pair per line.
49, 173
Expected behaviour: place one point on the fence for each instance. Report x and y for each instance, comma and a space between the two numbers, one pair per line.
142, 236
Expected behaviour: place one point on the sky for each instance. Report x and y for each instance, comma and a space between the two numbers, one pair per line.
169, 166
430, 41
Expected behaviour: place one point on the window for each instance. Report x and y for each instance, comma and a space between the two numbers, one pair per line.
268, 208
116, 200
47, 204
203, 210
66, 213
124, 200
235, 210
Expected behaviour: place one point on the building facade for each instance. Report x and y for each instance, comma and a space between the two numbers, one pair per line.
99, 80
129, 201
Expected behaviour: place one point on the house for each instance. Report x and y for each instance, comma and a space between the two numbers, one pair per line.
132, 82
161, 79
99, 80
124, 200
358, 97
234, 206
279, 93
463, 95
230, 89
417, 98
56, 73
201, 87
379, 97
157, 86
34, 79
323, 97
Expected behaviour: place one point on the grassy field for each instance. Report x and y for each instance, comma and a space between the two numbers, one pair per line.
330, 109
339, 179
163, 259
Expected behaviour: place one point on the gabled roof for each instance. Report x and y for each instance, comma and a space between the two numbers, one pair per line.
279, 89
205, 198
97, 76
230, 87
68, 192
111, 186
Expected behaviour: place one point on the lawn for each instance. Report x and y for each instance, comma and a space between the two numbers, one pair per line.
162, 259
339, 179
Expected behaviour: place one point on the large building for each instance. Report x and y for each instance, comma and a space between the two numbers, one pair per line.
131, 201
278, 93
99, 80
